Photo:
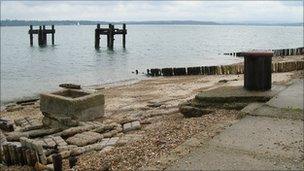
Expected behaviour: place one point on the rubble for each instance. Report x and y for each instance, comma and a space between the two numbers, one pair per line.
130, 126
84, 138
189, 111
6, 125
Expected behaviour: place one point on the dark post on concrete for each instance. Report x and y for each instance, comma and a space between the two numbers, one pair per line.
42, 35
110, 32
257, 70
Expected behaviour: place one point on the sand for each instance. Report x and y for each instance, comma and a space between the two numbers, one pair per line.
165, 128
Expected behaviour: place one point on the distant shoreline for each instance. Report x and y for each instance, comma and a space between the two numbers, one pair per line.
87, 22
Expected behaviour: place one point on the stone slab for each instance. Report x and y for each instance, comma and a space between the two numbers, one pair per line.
263, 135
251, 107
213, 158
130, 126
270, 111
291, 97
231, 94
85, 138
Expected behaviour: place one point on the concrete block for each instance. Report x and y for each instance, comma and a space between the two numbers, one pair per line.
127, 126
84, 138
112, 141
131, 126
77, 104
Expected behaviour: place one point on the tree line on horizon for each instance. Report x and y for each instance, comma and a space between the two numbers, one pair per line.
9, 22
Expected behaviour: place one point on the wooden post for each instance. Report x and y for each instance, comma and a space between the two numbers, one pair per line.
53, 35
1, 155
20, 155
72, 161
57, 162
40, 36
108, 36
24, 159
257, 74
44, 36
97, 37
31, 35
7, 155
111, 35
124, 36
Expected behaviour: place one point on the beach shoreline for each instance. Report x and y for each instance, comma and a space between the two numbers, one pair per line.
161, 122
143, 77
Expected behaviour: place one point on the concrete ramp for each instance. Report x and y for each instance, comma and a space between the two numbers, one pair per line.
292, 97
270, 138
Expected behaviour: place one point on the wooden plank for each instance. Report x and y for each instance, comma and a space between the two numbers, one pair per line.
47, 31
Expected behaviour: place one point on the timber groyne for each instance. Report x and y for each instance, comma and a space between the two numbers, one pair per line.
282, 66
277, 52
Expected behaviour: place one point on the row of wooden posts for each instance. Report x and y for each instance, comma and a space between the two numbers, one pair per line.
15, 154
277, 52
285, 66
109, 32
42, 35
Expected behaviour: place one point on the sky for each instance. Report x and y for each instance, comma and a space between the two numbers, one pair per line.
217, 11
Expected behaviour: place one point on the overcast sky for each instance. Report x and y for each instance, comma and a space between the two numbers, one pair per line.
228, 11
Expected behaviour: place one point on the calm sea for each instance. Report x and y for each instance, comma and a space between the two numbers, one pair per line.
28, 71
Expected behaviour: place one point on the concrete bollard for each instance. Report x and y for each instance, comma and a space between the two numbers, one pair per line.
167, 71
179, 71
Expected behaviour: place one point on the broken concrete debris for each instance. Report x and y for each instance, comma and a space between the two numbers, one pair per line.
189, 111
130, 126
70, 86
6, 125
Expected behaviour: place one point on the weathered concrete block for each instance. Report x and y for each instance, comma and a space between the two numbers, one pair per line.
71, 104
6, 125
112, 141
84, 138
131, 126
70, 86
127, 126
190, 111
